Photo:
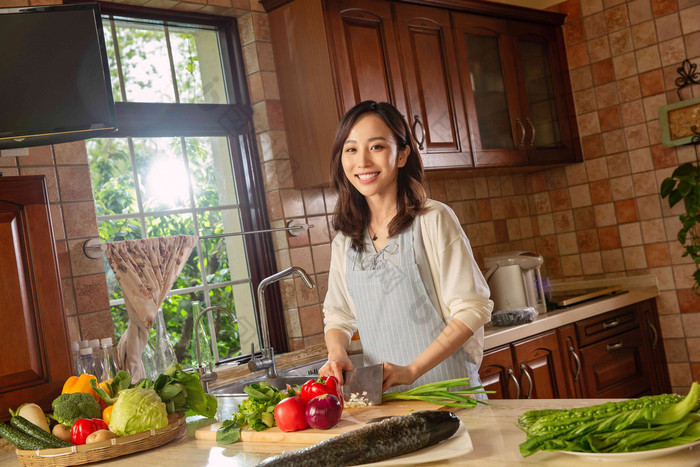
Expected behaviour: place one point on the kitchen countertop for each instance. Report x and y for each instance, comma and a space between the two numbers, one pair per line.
491, 429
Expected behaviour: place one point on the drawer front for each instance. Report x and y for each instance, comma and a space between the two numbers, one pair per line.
591, 330
616, 367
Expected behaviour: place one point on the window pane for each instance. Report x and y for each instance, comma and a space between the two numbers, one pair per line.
116, 230
144, 60
112, 176
209, 161
112, 59
227, 337
121, 320
218, 252
197, 65
163, 179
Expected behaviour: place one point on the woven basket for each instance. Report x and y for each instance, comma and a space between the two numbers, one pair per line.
87, 453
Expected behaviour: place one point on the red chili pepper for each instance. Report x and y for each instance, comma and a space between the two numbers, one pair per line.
317, 387
84, 428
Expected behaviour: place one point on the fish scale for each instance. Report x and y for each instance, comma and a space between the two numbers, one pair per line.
373, 443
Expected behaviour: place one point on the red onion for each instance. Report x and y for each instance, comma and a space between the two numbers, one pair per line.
323, 411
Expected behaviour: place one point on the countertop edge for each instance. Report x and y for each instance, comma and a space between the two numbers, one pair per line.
497, 337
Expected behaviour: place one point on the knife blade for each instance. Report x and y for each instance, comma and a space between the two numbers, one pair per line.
365, 382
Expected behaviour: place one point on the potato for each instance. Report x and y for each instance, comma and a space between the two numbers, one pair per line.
99, 436
62, 432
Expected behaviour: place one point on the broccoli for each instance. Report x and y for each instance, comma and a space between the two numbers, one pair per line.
68, 408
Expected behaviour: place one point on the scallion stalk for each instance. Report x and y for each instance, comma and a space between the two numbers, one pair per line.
440, 393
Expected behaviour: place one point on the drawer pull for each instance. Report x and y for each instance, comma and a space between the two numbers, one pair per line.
511, 375
577, 361
609, 347
611, 324
656, 334
522, 131
420, 142
523, 369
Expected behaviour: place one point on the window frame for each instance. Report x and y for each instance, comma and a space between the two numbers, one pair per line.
140, 119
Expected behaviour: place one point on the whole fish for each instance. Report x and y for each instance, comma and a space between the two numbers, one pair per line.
392, 437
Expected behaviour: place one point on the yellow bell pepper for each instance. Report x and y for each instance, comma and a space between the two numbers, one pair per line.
82, 384
107, 413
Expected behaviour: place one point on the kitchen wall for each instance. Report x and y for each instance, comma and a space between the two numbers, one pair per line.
600, 218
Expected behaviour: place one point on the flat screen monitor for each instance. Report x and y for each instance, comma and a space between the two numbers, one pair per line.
54, 76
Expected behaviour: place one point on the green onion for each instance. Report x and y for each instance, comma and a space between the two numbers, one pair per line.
440, 393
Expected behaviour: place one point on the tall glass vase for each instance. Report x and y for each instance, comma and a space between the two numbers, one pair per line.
163, 351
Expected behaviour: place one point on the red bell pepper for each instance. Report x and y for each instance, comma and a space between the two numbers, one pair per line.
84, 428
317, 387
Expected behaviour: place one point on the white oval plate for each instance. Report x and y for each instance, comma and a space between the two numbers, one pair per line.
630, 456
458, 444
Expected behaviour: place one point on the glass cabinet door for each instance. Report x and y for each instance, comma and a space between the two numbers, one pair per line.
543, 120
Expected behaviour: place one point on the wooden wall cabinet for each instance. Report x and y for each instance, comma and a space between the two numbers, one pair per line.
35, 357
478, 90
614, 355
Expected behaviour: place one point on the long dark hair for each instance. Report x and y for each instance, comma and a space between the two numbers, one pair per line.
352, 215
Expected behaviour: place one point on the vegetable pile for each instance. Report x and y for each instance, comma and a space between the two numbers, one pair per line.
87, 412
650, 422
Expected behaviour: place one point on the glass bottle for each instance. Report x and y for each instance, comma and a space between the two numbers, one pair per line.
86, 364
147, 358
97, 360
164, 354
204, 344
109, 366
75, 351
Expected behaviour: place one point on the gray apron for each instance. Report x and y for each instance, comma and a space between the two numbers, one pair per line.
395, 316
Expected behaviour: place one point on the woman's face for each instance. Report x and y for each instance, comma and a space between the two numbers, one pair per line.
371, 159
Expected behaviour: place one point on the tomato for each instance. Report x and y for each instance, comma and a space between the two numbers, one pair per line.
84, 428
317, 387
290, 414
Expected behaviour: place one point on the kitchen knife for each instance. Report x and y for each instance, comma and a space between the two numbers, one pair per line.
365, 382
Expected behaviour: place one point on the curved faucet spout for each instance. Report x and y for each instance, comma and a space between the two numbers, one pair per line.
268, 356
204, 377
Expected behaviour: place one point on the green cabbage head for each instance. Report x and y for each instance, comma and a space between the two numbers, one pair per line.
137, 410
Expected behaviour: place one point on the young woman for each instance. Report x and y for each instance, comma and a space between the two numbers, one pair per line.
402, 271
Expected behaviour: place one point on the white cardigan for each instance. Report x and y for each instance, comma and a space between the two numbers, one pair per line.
461, 288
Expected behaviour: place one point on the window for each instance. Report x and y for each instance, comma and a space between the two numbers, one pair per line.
182, 163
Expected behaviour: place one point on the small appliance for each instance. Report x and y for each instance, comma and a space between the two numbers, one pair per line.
515, 281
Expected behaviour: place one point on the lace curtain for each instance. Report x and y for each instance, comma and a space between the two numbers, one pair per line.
146, 270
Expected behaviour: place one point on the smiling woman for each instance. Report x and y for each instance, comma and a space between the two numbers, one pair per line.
173, 168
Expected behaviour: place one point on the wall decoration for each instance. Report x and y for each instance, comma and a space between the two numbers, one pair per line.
680, 123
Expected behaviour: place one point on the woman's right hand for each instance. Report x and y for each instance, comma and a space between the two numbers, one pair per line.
335, 366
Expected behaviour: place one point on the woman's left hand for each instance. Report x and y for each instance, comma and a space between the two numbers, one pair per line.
395, 375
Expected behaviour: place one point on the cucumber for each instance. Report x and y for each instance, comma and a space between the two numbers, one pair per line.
21, 440
24, 425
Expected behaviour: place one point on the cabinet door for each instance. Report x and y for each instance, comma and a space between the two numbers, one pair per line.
35, 355
497, 374
571, 361
544, 97
366, 54
653, 342
433, 95
617, 366
539, 362
488, 77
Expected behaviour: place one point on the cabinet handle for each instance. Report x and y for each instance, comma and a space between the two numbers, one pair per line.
523, 368
511, 375
522, 131
656, 334
577, 361
611, 324
609, 347
532, 127
416, 121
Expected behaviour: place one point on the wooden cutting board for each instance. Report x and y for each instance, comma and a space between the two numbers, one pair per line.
352, 419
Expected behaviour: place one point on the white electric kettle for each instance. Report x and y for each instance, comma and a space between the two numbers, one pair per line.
515, 281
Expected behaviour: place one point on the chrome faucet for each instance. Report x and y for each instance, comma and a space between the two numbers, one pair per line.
267, 353
206, 377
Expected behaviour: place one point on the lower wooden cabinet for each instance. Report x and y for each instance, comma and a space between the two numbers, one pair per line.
614, 355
